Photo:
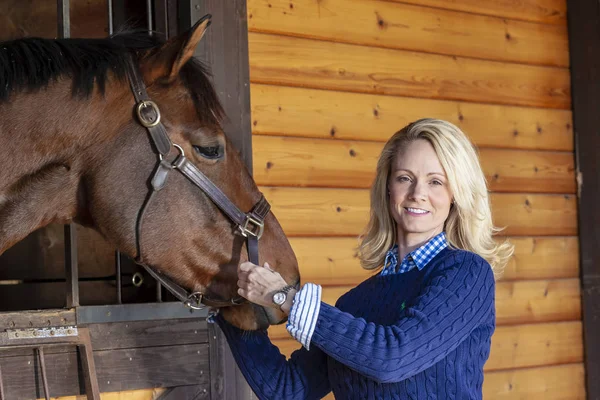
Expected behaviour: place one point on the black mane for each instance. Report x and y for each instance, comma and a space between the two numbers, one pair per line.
31, 64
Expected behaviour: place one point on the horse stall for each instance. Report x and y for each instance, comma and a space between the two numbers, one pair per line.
78, 317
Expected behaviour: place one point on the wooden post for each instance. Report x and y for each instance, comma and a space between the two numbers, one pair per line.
584, 49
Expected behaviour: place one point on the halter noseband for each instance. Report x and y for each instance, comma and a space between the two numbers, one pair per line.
250, 225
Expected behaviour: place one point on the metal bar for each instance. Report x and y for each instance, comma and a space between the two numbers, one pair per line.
71, 271
150, 15
136, 312
2, 397
64, 19
158, 292
118, 275
161, 17
40, 353
110, 17
89, 366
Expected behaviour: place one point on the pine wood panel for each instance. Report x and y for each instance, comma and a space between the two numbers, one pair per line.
517, 302
344, 212
413, 27
286, 161
559, 382
517, 346
142, 394
333, 260
327, 65
545, 11
290, 111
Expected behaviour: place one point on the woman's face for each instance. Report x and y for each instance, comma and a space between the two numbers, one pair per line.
420, 197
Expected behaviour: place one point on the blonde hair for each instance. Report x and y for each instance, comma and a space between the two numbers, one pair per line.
468, 226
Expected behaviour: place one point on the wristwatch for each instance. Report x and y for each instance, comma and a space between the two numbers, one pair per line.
280, 296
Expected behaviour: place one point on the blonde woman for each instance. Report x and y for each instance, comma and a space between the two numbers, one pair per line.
420, 327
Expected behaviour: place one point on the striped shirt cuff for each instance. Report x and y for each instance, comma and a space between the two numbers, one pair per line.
304, 314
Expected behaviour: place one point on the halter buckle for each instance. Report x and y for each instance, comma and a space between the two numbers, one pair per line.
252, 227
194, 301
144, 120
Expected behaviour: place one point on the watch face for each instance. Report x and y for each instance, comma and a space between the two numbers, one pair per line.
279, 298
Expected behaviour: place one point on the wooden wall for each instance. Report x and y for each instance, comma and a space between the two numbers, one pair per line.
332, 80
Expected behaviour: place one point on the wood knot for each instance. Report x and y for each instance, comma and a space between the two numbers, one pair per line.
515, 133
352, 153
338, 209
269, 164
375, 112
460, 117
332, 132
255, 123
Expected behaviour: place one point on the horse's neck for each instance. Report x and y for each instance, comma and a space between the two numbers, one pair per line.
45, 128
43, 137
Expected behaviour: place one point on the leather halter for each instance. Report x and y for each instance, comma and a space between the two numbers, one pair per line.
250, 225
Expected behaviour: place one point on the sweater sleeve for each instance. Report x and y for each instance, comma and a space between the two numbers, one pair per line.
269, 374
451, 305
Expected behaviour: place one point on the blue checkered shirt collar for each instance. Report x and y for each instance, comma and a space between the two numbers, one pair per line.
417, 258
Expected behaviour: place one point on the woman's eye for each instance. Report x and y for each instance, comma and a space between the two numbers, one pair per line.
436, 182
403, 179
210, 152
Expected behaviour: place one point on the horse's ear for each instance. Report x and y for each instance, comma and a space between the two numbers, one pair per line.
166, 63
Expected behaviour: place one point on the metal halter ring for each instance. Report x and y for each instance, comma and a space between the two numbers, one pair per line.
178, 147
148, 123
196, 298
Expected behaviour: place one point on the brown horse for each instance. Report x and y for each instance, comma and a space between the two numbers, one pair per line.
71, 149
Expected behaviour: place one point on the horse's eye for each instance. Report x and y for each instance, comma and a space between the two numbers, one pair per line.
211, 152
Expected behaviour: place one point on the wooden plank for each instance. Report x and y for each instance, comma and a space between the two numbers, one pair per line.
37, 318
584, 33
121, 335
413, 27
520, 302
326, 65
290, 111
344, 212
118, 370
543, 258
533, 345
544, 11
544, 383
141, 394
517, 302
333, 260
287, 161
517, 346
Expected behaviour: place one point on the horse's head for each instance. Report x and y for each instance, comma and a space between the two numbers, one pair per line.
108, 157
183, 233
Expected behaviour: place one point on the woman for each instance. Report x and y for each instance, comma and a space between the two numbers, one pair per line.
421, 327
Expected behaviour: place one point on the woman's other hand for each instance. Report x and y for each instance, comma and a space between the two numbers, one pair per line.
258, 284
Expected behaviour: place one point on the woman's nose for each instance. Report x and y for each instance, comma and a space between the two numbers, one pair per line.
419, 191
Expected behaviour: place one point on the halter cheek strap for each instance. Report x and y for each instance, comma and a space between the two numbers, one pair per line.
250, 225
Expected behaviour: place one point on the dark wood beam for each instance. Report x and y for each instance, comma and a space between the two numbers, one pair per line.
584, 48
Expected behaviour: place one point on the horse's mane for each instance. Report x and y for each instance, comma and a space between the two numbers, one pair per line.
32, 63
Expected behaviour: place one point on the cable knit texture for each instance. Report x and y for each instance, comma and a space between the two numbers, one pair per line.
370, 347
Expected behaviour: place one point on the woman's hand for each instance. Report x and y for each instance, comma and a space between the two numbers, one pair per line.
258, 284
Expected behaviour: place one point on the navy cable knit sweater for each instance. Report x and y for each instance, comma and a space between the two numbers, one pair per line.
418, 335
